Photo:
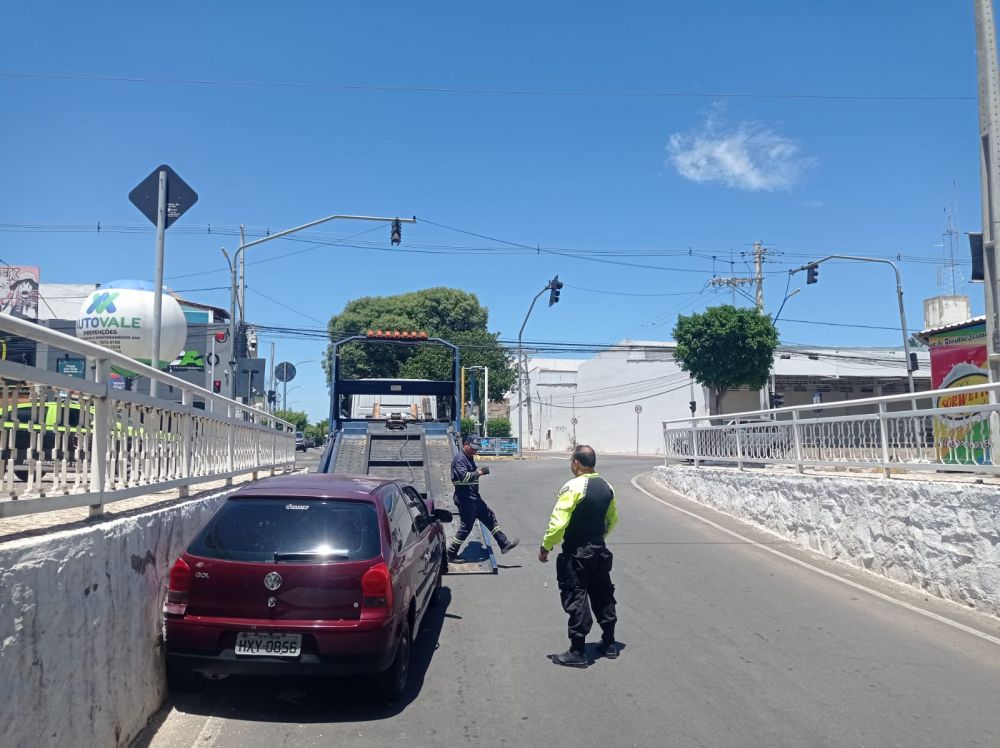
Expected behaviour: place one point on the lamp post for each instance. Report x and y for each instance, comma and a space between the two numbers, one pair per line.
284, 394
238, 260
553, 286
486, 393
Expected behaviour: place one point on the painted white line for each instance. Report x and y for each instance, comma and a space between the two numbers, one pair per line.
210, 732
824, 572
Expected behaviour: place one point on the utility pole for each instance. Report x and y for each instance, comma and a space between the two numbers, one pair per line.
758, 273
989, 178
553, 287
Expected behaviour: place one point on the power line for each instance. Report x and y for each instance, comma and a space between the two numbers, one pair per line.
577, 93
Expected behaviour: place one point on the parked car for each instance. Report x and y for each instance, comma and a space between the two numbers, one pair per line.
307, 574
310, 442
300, 441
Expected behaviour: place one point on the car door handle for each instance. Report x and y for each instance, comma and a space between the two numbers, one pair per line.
427, 555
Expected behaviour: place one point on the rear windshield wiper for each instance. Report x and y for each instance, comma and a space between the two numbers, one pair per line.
311, 555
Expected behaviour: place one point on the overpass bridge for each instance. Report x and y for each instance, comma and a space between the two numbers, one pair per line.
733, 632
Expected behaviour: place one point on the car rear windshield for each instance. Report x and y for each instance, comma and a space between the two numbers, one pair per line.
290, 529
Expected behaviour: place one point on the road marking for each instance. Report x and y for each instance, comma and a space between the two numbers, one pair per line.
210, 732
824, 572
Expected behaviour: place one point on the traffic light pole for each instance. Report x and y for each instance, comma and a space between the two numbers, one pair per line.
237, 262
554, 286
899, 298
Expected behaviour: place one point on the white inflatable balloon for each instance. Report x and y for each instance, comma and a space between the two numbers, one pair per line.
122, 319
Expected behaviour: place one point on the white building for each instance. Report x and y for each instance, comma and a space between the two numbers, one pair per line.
595, 401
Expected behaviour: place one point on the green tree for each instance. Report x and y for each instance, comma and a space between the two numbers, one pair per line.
298, 417
319, 430
448, 313
726, 347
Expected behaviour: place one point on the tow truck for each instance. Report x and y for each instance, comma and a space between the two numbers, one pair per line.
403, 429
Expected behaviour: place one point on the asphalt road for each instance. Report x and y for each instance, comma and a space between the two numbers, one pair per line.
725, 644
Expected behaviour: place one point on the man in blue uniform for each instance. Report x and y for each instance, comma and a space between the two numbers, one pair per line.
465, 477
584, 514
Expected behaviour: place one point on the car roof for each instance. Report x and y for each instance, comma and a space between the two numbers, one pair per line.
316, 485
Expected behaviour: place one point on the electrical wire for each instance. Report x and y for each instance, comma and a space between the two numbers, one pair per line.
576, 93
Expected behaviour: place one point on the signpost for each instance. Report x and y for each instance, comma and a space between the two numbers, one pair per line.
285, 372
638, 410
162, 197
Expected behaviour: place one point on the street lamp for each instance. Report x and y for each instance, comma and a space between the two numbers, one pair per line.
284, 395
486, 392
238, 260
553, 286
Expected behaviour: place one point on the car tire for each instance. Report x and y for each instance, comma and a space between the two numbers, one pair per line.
391, 684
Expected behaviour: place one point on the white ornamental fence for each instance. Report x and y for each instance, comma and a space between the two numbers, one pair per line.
70, 442
952, 430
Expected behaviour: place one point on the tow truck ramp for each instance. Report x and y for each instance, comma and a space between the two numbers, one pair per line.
405, 430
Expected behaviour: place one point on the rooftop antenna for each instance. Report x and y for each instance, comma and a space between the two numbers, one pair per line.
950, 270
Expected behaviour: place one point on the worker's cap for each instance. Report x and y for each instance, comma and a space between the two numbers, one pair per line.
472, 440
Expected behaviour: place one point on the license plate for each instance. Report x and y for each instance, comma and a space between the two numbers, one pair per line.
252, 644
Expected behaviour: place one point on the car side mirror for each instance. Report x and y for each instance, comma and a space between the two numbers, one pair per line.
442, 515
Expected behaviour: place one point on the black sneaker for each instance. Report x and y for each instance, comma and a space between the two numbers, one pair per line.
454, 557
570, 658
511, 545
608, 649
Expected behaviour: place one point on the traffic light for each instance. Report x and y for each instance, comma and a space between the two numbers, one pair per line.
914, 363
216, 386
397, 233
272, 397
777, 399
693, 406
554, 285
812, 273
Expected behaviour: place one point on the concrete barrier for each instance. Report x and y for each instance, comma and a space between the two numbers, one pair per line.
941, 537
80, 646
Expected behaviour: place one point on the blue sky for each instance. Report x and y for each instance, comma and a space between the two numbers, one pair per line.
678, 178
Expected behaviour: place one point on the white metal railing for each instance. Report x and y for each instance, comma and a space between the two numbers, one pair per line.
956, 430
70, 442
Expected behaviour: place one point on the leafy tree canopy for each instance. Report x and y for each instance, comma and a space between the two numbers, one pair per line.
448, 313
298, 417
725, 347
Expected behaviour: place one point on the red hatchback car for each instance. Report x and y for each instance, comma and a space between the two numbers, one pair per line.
307, 575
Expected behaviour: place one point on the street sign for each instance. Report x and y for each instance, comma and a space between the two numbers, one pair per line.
73, 367
284, 372
180, 196
638, 409
573, 420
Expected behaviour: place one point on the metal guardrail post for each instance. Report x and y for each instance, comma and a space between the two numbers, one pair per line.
797, 438
230, 438
187, 440
739, 447
694, 441
99, 436
884, 437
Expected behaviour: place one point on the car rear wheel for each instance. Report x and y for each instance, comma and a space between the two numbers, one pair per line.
392, 683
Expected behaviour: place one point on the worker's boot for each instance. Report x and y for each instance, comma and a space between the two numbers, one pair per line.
506, 544
453, 555
572, 657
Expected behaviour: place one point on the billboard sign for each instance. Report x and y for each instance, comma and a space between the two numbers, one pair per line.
19, 290
958, 359
119, 316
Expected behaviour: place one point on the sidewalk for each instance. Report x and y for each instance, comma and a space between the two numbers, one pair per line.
43, 523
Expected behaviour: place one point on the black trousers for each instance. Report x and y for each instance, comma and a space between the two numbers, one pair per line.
469, 510
584, 576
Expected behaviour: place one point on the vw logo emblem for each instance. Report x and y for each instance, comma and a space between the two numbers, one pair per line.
272, 581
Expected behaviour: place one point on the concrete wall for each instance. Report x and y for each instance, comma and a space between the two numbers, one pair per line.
940, 537
80, 652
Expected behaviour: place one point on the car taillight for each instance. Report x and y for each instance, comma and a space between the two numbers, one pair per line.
178, 588
376, 592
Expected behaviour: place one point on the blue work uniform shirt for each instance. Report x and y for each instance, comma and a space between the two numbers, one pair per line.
465, 477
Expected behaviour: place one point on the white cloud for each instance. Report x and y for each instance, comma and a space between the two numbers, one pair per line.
747, 156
